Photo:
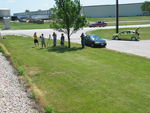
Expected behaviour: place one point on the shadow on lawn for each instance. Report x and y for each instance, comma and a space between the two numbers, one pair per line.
60, 49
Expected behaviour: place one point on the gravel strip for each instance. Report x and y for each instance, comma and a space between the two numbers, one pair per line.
13, 98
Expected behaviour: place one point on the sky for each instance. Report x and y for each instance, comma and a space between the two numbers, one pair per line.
17, 6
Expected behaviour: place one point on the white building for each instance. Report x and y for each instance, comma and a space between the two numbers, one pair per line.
5, 17
133, 9
4, 12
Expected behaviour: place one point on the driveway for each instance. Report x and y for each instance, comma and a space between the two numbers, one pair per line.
141, 48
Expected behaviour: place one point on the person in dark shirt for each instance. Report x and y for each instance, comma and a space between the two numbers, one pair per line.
83, 40
62, 39
54, 39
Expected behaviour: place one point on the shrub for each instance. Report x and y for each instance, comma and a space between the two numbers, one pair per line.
48, 109
32, 95
1, 50
20, 71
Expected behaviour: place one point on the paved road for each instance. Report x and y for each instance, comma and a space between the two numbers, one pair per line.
141, 48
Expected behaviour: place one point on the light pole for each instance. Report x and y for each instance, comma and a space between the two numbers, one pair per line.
117, 16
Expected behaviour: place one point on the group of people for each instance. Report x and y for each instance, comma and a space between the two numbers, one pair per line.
54, 35
43, 42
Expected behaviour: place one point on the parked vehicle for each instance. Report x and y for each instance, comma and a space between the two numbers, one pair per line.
22, 20
14, 18
129, 34
1, 19
95, 41
36, 21
98, 24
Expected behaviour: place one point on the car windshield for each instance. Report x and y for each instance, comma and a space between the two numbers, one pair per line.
95, 37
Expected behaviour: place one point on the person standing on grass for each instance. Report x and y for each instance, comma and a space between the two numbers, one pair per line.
36, 42
83, 40
62, 39
54, 39
43, 40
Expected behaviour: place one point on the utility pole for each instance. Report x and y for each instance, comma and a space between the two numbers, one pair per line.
117, 16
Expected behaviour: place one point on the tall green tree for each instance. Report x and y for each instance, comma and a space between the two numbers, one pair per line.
146, 7
67, 17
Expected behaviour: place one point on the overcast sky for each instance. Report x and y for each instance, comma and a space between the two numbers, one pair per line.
21, 5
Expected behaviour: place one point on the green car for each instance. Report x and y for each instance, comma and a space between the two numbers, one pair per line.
129, 34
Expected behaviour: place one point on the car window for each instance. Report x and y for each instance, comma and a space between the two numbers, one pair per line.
87, 37
122, 32
94, 37
125, 32
128, 32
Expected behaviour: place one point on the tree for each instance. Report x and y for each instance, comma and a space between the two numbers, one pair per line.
146, 7
67, 17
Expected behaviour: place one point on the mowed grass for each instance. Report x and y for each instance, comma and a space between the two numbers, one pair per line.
23, 25
110, 19
128, 23
83, 80
108, 33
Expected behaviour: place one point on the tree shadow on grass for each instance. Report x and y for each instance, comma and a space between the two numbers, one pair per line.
63, 49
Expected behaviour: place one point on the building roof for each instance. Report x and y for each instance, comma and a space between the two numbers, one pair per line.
112, 4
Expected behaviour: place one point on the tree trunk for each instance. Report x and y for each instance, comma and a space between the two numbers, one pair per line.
69, 42
69, 45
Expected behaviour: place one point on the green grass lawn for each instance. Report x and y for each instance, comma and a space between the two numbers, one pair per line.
83, 80
128, 23
18, 25
107, 33
109, 19
113, 19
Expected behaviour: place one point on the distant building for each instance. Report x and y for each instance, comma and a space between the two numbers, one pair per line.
4, 12
133, 9
5, 18
40, 14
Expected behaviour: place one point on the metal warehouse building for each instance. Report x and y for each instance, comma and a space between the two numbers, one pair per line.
133, 9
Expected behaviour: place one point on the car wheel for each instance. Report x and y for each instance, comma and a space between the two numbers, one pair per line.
116, 38
92, 45
133, 39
